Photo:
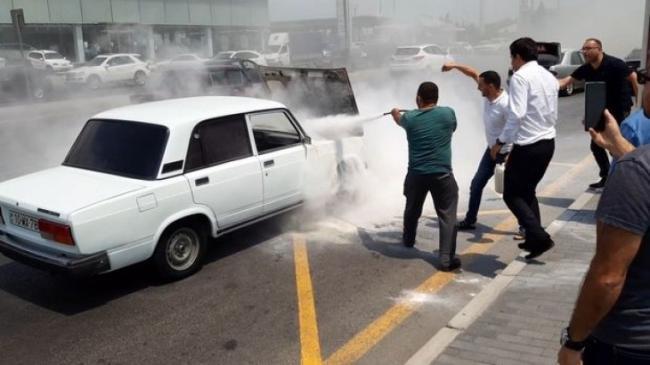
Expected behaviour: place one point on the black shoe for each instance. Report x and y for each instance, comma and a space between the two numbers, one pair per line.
408, 244
539, 248
464, 225
598, 185
520, 236
526, 246
452, 265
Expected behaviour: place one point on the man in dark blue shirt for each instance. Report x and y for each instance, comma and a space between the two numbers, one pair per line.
611, 320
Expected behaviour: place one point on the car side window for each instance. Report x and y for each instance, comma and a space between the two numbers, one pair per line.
35, 55
115, 61
218, 141
273, 131
576, 58
125, 60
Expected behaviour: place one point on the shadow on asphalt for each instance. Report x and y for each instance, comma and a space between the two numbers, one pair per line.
71, 296
555, 202
389, 245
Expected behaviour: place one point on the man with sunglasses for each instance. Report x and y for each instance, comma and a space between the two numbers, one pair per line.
620, 86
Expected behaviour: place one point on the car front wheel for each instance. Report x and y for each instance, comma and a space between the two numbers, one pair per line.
180, 251
569, 90
93, 82
140, 78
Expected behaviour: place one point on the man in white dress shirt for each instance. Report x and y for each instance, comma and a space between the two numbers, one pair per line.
495, 111
530, 125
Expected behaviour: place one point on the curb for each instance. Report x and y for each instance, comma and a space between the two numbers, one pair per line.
475, 308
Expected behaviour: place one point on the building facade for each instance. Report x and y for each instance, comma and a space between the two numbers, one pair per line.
80, 29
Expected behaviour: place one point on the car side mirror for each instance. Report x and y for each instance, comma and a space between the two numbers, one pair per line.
306, 140
641, 76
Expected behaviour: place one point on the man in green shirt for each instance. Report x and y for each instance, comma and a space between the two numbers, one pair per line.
428, 130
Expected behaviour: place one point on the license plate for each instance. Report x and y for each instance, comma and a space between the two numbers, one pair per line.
24, 221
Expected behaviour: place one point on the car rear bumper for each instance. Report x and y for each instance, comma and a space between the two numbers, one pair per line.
75, 265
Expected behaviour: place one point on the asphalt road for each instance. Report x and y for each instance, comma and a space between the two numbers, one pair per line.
326, 283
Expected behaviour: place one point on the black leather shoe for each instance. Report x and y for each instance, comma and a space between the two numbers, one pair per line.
408, 244
465, 226
539, 248
526, 246
452, 265
598, 185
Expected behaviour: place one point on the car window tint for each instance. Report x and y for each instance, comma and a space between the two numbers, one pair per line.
125, 60
218, 141
245, 55
115, 61
576, 58
407, 51
272, 131
122, 148
35, 55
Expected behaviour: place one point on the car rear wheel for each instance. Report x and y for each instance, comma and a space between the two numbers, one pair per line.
180, 251
140, 78
93, 82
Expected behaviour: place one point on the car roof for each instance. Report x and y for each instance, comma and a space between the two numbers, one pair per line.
186, 112
419, 46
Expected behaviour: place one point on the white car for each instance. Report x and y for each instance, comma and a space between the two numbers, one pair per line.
110, 68
418, 58
158, 180
49, 61
182, 59
242, 55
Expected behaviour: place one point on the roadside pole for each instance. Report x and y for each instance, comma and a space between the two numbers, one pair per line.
18, 20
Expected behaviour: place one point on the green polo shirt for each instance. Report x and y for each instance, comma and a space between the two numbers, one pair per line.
429, 136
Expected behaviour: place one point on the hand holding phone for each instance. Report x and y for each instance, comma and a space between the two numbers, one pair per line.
595, 100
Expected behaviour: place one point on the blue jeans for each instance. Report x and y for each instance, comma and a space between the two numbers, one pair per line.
600, 353
483, 174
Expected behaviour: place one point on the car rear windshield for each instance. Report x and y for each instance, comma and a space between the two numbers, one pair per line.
123, 148
53, 56
407, 51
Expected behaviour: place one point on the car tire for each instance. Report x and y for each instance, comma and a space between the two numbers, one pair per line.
180, 251
93, 82
140, 78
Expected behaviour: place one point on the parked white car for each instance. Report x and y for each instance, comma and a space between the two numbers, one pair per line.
158, 180
418, 58
182, 59
110, 68
49, 61
242, 55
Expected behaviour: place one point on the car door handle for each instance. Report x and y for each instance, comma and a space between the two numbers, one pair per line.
202, 181
269, 163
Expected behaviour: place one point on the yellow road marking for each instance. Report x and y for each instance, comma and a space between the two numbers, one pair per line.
365, 340
309, 339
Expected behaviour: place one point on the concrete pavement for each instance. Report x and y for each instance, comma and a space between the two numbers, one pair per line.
520, 322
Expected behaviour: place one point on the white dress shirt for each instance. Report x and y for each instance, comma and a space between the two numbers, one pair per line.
532, 111
495, 113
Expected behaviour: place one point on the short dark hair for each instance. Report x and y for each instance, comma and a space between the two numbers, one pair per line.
525, 47
428, 92
491, 78
595, 40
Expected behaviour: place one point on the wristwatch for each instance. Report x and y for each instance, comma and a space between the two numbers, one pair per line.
567, 342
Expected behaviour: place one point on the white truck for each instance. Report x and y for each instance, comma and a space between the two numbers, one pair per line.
277, 50
156, 181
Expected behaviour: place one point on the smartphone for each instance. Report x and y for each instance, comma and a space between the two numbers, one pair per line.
595, 98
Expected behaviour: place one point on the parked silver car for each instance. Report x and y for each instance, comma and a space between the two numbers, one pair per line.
571, 59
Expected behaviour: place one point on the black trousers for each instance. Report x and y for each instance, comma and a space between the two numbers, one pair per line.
524, 170
600, 155
600, 353
444, 191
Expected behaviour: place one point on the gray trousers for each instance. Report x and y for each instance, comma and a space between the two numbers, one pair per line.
444, 191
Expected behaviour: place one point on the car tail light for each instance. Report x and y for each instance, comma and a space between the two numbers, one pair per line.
418, 58
60, 233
